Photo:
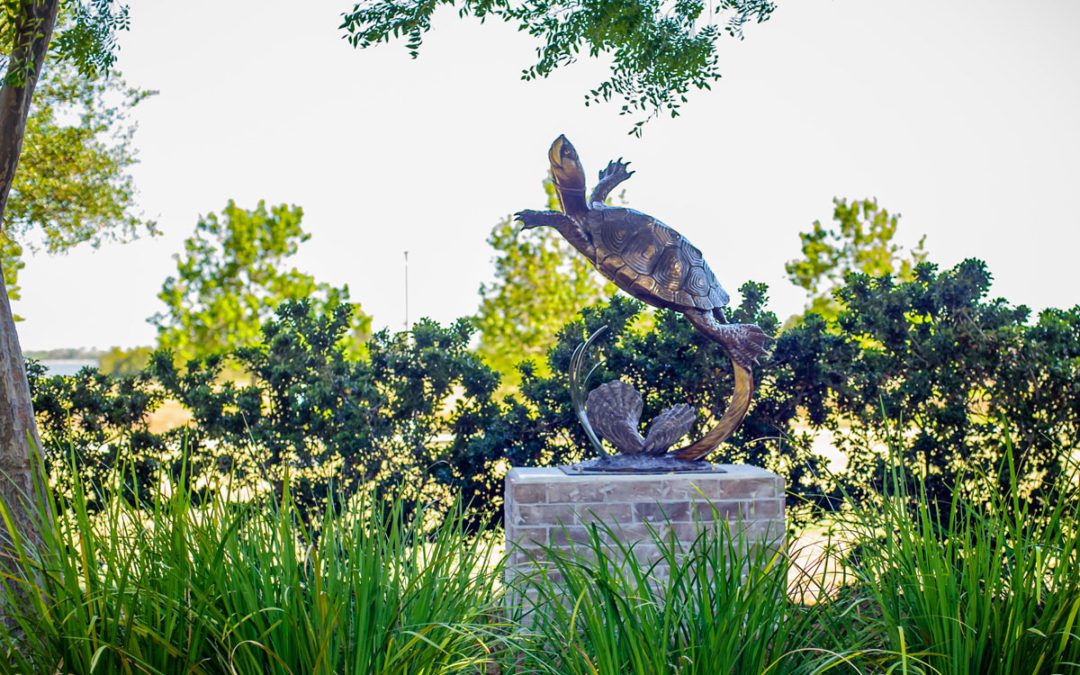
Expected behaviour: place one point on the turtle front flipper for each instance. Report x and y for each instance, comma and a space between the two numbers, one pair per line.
566, 226
530, 219
610, 178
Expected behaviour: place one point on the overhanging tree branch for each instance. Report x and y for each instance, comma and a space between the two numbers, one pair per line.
660, 49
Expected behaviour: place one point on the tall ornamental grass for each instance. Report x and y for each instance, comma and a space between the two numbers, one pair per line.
173, 586
720, 606
961, 588
181, 584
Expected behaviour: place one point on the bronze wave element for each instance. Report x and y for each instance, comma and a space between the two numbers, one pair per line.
657, 265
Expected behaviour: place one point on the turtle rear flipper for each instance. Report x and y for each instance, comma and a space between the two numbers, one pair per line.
744, 342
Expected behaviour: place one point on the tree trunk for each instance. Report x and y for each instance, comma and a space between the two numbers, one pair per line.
19, 442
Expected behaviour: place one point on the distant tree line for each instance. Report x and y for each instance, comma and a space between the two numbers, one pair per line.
64, 353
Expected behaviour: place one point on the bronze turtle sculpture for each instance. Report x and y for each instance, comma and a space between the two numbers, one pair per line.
653, 263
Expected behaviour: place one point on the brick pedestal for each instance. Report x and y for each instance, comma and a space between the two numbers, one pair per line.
545, 506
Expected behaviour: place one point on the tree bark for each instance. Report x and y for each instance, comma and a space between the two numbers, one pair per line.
19, 441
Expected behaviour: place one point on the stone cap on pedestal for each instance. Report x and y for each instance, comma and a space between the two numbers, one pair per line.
530, 485
546, 507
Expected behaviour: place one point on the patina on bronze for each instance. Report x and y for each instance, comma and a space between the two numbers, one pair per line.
655, 264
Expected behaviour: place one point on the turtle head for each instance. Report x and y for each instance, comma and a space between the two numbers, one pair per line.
568, 175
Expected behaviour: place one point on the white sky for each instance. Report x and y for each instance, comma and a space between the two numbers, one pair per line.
962, 116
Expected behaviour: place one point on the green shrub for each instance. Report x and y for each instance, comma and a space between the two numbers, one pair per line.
384, 422
957, 373
401, 422
419, 418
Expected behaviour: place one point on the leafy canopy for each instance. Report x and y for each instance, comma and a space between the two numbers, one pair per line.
73, 184
659, 50
231, 277
861, 242
85, 36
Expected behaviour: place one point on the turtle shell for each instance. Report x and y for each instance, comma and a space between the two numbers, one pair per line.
651, 261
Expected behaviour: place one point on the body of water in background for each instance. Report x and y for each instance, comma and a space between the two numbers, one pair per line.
67, 366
